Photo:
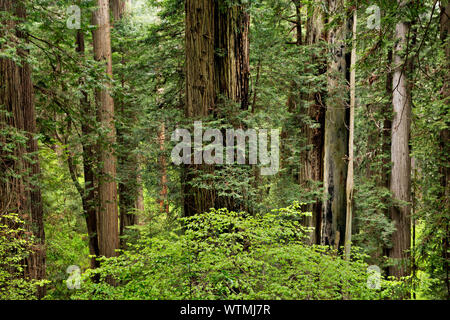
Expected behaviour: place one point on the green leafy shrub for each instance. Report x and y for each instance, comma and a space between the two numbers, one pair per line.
229, 255
14, 249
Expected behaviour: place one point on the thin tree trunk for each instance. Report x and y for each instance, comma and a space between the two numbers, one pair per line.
163, 203
140, 197
298, 26
107, 224
127, 157
384, 172
445, 140
293, 101
89, 192
401, 163
349, 186
387, 127
255, 92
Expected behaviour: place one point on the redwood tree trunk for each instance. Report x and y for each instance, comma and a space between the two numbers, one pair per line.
20, 193
118, 8
199, 57
336, 136
312, 163
217, 64
350, 180
400, 184
128, 164
89, 192
200, 94
107, 227
232, 68
445, 141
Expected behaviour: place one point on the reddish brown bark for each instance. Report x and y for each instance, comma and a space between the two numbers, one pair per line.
107, 223
311, 173
88, 194
20, 193
445, 141
400, 183
217, 65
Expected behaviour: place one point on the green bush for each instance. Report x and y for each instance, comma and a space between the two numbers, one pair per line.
229, 255
14, 249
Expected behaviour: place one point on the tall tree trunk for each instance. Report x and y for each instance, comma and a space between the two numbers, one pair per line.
401, 163
232, 72
294, 100
336, 135
387, 127
199, 57
139, 205
445, 139
163, 202
349, 185
217, 64
312, 163
20, 192
107, 224
119, 8
127, 158
298, 25
232, 68
88, 195
384, 172
200, 93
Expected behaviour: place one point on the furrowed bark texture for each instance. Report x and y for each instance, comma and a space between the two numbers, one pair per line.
312, 169
336, 136
217, 65
200, 97
199, 57
20, 192
232, 65
89, 202
118, 8
107, 224
400, 184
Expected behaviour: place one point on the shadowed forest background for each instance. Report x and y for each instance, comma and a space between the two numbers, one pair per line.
92, 206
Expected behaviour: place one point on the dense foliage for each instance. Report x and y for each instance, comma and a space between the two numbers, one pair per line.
261, 251
228, 255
